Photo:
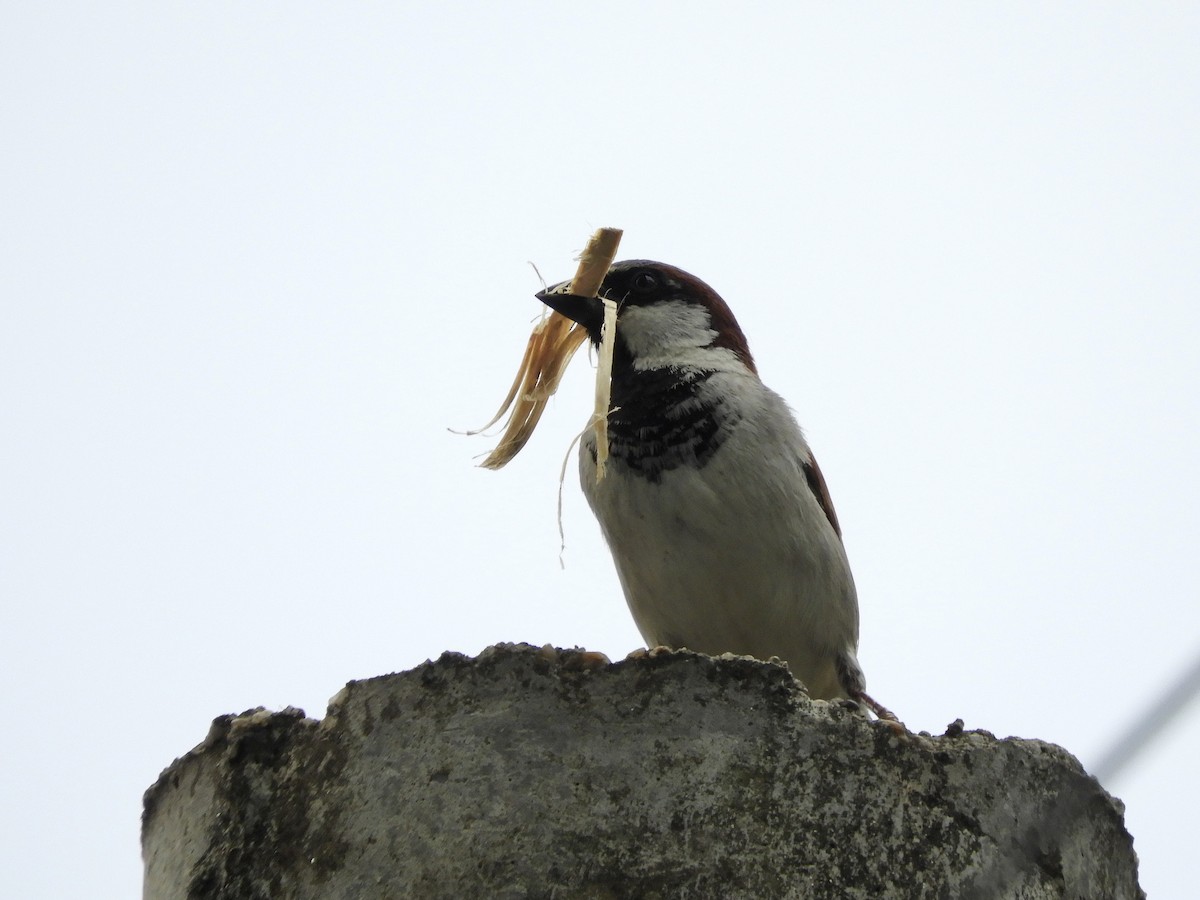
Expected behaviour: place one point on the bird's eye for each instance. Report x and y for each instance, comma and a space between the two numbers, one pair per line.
644, 282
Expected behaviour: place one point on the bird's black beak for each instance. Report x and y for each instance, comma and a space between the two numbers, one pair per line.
587, 311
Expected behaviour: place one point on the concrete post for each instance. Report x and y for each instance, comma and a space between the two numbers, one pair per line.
531, 772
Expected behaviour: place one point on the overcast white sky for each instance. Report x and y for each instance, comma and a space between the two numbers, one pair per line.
255, 258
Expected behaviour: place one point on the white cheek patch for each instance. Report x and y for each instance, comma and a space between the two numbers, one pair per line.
648, 330
673, 333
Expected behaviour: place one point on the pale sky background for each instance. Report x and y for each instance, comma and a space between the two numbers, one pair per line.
256, 258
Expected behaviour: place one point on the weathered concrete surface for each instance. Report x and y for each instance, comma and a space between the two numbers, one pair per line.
538, 773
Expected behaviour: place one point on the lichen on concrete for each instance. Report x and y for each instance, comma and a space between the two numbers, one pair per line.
534, 772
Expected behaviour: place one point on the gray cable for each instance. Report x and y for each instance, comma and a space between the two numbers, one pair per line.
1148, 726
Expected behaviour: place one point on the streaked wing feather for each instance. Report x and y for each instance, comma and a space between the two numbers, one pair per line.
816, 483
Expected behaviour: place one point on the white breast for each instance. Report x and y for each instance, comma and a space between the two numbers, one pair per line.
736, 556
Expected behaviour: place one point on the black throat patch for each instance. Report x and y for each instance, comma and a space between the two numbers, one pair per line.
664, 419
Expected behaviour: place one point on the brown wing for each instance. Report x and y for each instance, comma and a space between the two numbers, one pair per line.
816, 483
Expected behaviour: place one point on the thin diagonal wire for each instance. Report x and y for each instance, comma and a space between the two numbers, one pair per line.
1149, 725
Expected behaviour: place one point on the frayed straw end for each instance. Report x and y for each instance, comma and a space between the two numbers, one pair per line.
550, 347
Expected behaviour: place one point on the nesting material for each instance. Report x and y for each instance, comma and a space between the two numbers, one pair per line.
604, 384
553, 342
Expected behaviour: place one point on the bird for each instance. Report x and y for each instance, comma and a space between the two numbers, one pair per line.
712, 504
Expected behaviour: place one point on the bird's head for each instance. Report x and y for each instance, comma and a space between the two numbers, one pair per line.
665, 318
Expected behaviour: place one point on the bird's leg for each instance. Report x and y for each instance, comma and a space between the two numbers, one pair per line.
881, 712
875, 706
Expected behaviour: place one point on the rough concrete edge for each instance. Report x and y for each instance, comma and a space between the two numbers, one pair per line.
556, 661
571, 662
223, 728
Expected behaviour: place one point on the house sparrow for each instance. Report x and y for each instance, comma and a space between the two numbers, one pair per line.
718, 518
